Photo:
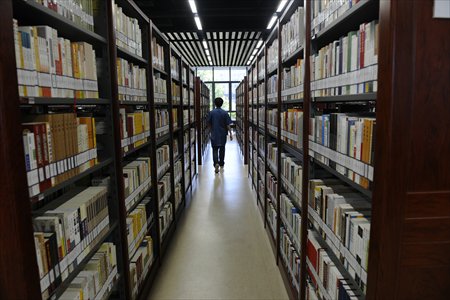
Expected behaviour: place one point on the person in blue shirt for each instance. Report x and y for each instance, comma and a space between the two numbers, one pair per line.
219, 121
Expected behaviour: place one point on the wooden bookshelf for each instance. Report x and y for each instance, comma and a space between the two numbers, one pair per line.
396, 264
19, 209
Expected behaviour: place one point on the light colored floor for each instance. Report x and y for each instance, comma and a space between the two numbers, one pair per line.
220, 249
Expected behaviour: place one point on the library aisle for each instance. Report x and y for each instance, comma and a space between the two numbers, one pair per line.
220, 249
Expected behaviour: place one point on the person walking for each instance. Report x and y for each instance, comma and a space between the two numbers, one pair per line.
219, 122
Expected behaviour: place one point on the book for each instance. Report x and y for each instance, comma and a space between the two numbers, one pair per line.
51, 66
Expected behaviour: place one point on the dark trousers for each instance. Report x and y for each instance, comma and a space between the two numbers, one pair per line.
218, 155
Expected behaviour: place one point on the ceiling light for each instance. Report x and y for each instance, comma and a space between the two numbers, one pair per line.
198, 23
280, 6
193, 6
205, 45
260, 42
272, 21
254, 52
207, 52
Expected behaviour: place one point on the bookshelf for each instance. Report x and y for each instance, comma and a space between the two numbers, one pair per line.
202, 108
117, 116
309, 92
242, 121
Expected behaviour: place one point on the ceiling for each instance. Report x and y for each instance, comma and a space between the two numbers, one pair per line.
231, 27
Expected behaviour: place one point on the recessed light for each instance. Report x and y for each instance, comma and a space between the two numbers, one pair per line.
205, 44
198, 23
281, 5
260, 42
271, 22
193, 6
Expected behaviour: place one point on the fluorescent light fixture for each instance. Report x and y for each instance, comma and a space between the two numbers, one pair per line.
260, 42
280, 6
254, 52
205, 45
198, 23
271, 22
193, 6
207, 52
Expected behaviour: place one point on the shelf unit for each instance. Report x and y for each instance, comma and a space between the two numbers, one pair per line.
114, 150
202, 108
401, 227
242, 122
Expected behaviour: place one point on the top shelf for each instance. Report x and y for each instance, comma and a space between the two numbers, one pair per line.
363, 11
32, 13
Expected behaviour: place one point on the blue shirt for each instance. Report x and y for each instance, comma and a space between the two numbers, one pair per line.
219, 120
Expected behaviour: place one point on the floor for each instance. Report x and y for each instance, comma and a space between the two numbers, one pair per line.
220, 249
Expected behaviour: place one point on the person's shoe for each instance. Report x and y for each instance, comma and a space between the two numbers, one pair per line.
221, 168
216, 168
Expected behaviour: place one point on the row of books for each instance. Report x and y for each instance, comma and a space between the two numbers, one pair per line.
81, 12
272, 186
162, 122
272, 88
187, 177
185, 74
186, 96
261, 117
272, 120
261, 190
51, 66
293, 33
137, 228
162, 157
134, 128
272, 56
178, 194
292, 176
165, 218
176, 93
261, 68
57, 147
164, 190
178, 170
290, 257
261, 166
186, 117
291, 122
140, 264
292, 219
66, 233
137, 180
272, 154
346, 213
261, 92
350, 134
175, 148
192, 115
158, 55
254, 76
128, 32
191, 95
160, 86
348, 63
174, 71
272, 217
261, 142
326, 281
292, 81
324, 12
97, 277
132, 81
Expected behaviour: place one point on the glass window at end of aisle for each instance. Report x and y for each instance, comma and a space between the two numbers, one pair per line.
222, 90
205, 74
